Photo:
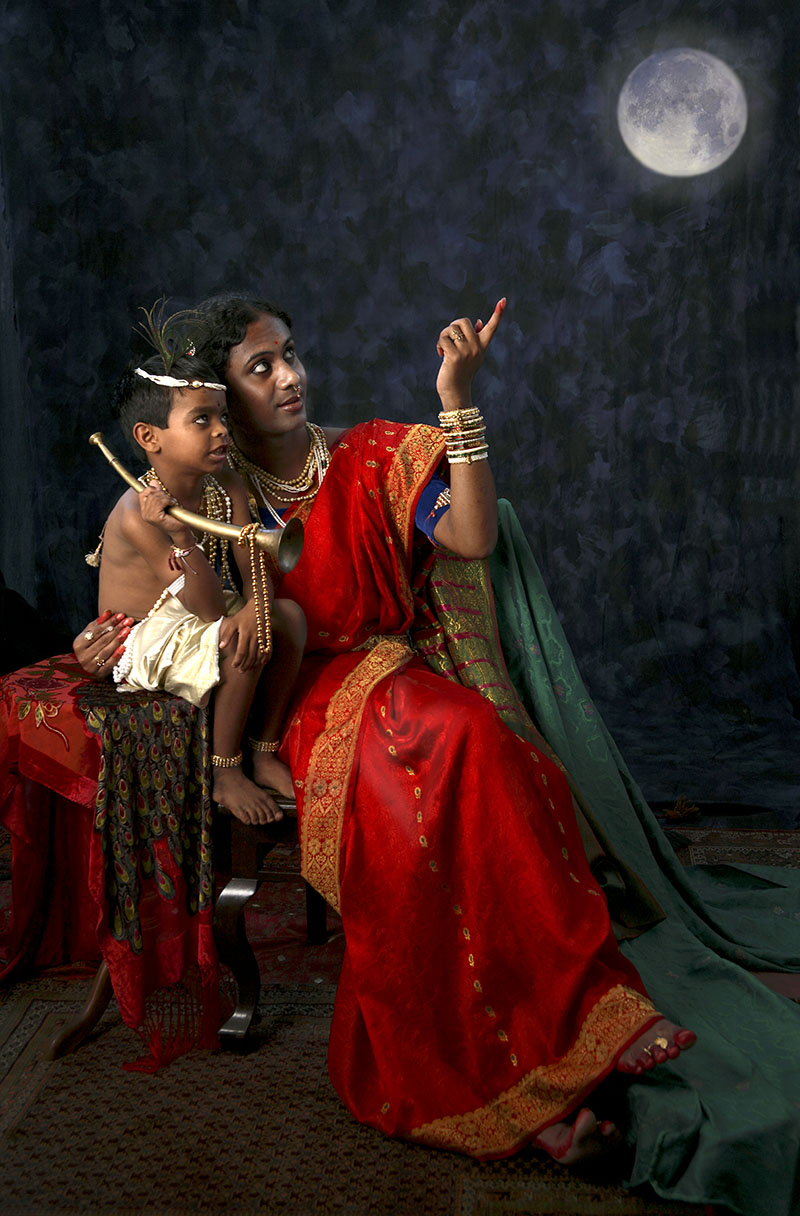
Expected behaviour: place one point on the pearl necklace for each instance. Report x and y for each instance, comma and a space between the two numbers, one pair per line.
293, 490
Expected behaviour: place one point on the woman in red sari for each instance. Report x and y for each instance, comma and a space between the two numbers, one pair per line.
482, 995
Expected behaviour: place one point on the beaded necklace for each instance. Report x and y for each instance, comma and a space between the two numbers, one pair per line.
215, 504
296, 489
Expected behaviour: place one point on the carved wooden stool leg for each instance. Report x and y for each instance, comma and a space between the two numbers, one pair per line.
236, 952
247, 845
80, 1027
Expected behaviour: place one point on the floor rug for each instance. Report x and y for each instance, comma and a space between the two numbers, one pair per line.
706, 846
260, 1131
215, 1133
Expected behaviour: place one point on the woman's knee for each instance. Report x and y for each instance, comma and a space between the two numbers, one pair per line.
289, 622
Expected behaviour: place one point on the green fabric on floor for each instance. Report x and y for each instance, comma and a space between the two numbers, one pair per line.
722, 1124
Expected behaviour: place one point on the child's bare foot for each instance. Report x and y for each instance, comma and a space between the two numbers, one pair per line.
569, 1143
272, 773
243, 798
661, 1042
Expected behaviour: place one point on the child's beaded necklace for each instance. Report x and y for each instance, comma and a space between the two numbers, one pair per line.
215, 504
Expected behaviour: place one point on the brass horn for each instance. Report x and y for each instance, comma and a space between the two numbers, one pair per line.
284, 544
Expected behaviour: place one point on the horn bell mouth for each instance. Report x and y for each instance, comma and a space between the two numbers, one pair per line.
290, 546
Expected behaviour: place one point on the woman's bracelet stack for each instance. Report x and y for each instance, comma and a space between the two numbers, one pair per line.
464, 436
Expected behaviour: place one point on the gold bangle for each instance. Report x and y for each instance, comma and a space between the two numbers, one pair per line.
227, 761
264, 745
469, 411
477, 441
471, 427
471, 459
466, 433
466, 449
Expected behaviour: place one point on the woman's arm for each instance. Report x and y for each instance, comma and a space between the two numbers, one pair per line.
469, 528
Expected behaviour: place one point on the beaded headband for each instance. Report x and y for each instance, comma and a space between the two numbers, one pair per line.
172, 382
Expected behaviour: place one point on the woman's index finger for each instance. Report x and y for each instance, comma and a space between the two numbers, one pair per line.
487, 331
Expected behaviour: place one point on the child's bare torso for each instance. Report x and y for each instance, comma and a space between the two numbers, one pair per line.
127, 582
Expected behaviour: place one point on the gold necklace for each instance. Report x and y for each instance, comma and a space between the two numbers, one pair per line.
215, 504
295, 489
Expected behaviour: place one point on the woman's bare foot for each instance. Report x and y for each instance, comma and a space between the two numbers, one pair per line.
272, 773
659, 1043
243, 798
569, 1143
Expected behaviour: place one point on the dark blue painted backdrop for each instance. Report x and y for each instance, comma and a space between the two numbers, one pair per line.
380, 169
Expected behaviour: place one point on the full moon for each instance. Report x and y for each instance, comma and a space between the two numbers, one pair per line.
682, 112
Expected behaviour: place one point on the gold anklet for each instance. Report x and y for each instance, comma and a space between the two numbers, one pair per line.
227, 761
264, 745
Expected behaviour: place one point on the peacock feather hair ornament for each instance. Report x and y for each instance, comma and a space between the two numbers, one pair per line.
172, 336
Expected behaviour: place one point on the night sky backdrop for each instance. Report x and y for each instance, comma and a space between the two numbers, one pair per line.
380, 169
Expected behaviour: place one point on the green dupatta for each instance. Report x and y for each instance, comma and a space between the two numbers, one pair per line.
723, 1124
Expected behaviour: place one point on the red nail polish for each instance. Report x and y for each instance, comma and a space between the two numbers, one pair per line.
119, 651
101, 620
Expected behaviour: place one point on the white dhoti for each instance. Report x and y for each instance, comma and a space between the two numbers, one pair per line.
174, 650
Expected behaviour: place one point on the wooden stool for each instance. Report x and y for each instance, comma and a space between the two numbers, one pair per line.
250, 846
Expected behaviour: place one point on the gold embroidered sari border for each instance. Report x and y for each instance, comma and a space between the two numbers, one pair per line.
545, 1093
332, 762
461, 595
418, 455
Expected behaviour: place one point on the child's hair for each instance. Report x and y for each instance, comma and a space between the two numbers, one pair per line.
137, 399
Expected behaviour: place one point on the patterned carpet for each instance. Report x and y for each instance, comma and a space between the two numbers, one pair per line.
257, 1133
706, 846
261, 1132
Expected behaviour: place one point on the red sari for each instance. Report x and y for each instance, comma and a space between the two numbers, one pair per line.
482, 994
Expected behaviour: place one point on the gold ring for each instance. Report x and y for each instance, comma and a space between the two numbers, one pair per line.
457, 335
661, 1042
88, 635
647, 1052
99, 662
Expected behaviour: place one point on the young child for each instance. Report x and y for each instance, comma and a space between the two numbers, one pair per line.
191, 631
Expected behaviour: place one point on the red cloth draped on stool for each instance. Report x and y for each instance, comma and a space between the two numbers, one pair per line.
107, 799
482, 994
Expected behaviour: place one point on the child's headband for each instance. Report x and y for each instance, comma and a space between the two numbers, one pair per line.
172, 382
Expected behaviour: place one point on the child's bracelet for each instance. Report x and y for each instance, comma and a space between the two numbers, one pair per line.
177, 557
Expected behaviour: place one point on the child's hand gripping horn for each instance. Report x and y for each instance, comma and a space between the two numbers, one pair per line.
284, 544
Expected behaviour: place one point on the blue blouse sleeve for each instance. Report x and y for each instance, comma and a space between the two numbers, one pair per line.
433, 502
